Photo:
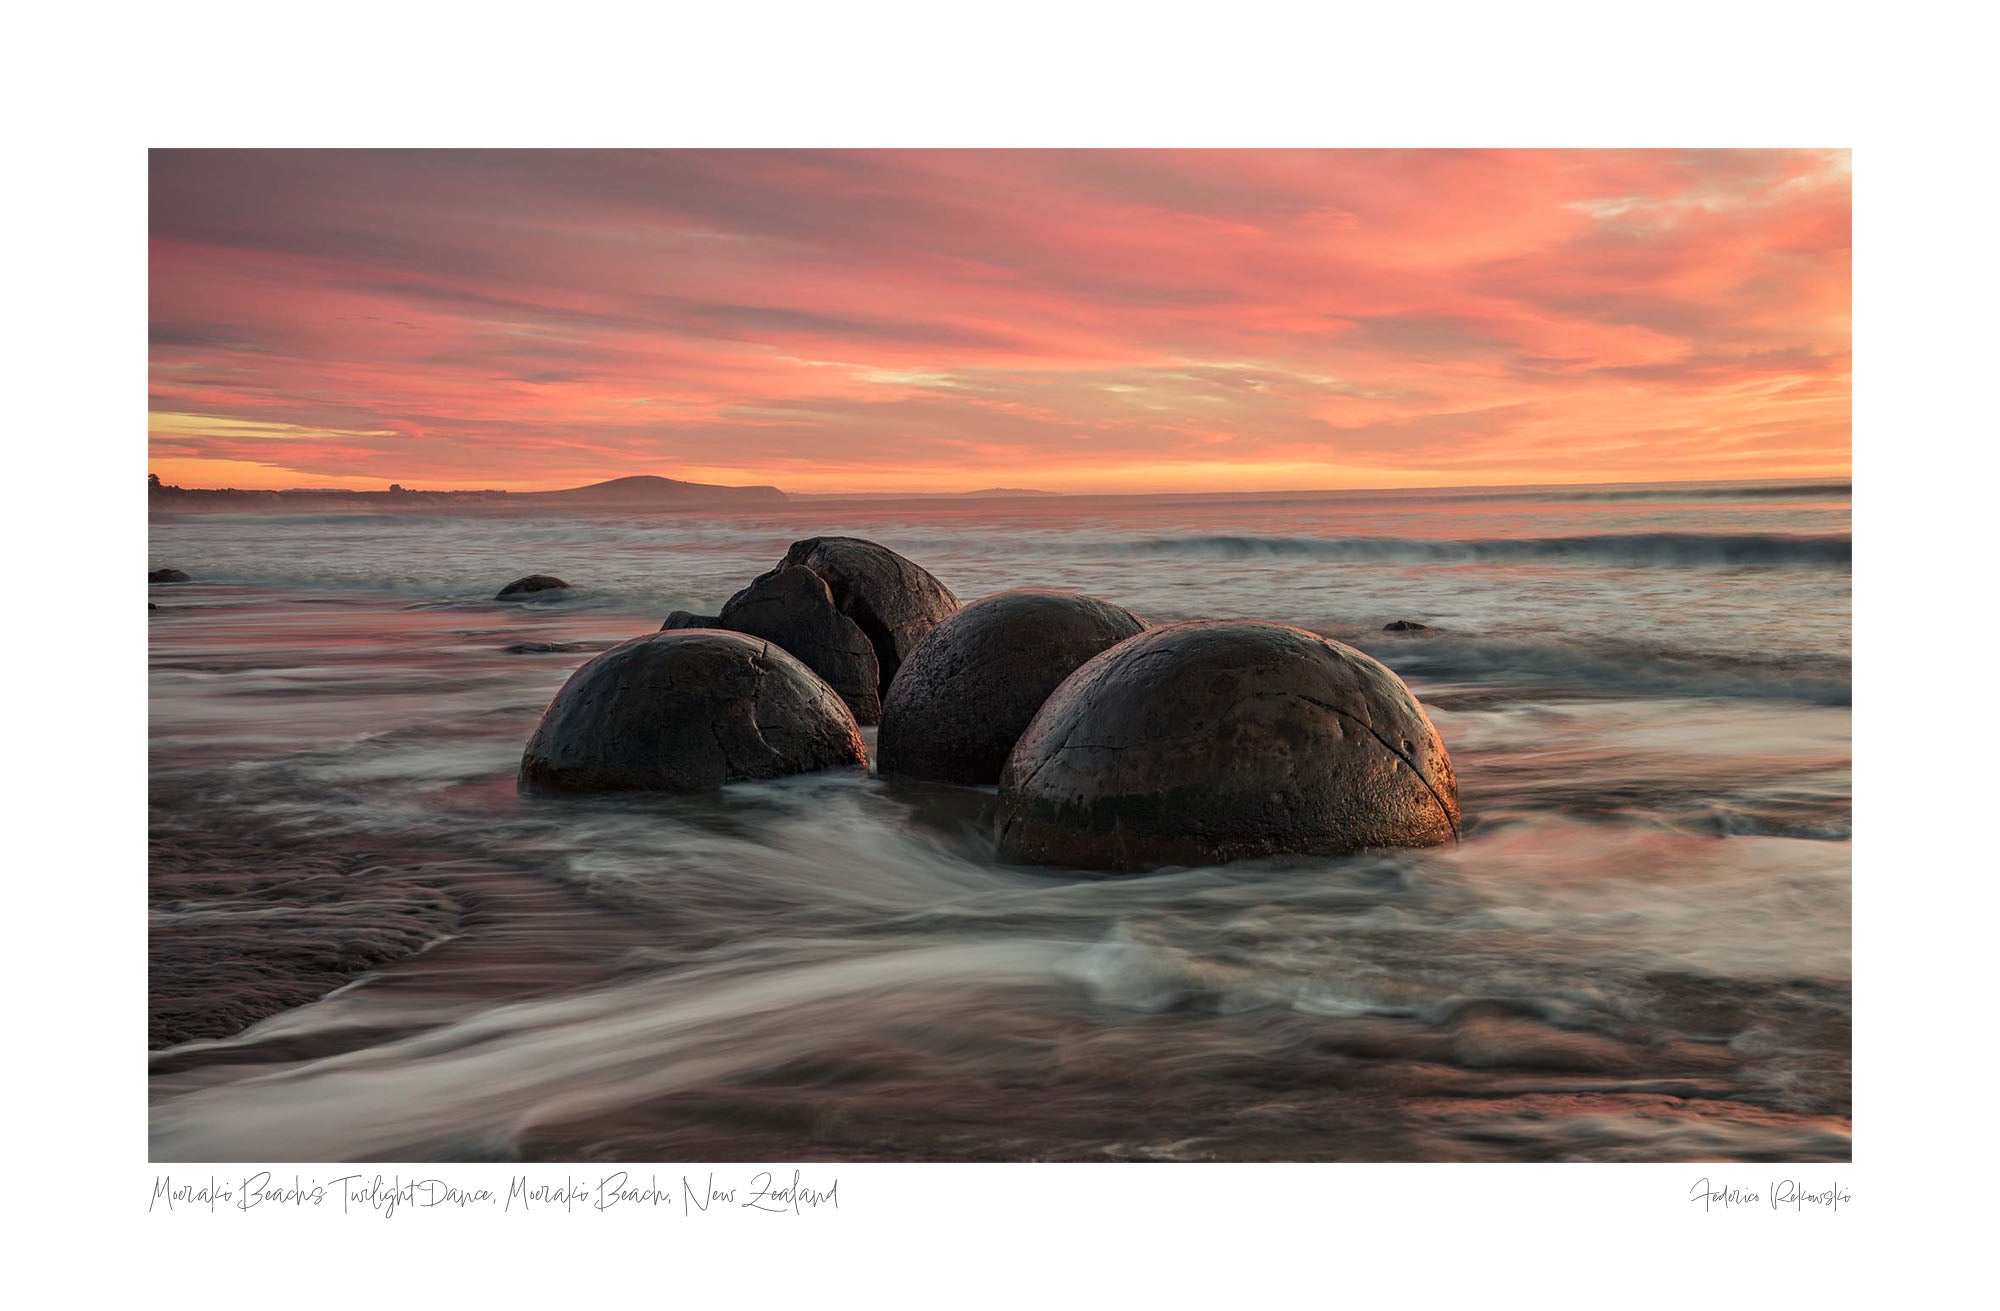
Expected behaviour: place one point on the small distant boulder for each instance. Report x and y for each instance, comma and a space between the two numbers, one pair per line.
970, 689
544, 648
1407, 626
151, 605
688, 619
530, 585
167, 576
688, 712
1213, 741
888, 605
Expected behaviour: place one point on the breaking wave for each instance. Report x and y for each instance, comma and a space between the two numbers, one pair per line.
1609, 668
1667, 550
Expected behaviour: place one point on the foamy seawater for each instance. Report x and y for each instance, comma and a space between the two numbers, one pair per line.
368, 946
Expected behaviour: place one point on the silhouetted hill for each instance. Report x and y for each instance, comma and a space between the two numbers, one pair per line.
647, 489
640, 491
1006, 492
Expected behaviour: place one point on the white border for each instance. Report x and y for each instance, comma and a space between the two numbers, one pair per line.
92, 89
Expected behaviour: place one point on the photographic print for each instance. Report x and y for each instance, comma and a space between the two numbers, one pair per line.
999, 656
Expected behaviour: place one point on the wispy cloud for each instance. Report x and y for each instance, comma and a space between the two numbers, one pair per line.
1109, 320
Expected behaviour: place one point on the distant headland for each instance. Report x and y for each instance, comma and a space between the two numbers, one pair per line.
638, 492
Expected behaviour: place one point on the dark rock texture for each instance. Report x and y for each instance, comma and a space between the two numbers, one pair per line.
793, 607
891, 603
1407, 626
1216, 740
531, 584
688, 619
896, 601
167, 576
969, 690
685, 712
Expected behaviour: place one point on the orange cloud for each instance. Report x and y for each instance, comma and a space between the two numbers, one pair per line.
1078, 320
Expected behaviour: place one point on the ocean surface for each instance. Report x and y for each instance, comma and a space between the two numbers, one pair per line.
367, 946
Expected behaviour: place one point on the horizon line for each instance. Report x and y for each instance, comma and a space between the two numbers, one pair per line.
1780, 480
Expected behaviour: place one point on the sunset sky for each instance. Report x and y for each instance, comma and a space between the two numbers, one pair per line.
938, 321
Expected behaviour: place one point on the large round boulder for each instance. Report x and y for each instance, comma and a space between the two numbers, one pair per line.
1210, 741
687, 711
970, 689
530, 585
889, 605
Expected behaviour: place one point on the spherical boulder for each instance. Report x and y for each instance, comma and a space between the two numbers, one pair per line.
970, 688
1406, 626
166, 576
688, 711
888, 601
530, 585
1211, 741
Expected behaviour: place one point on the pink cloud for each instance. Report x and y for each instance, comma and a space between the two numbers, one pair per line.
940, 319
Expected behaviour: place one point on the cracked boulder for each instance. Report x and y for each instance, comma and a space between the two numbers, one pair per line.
687, 711
794, 607
1211, 741
851, 609
970, 689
